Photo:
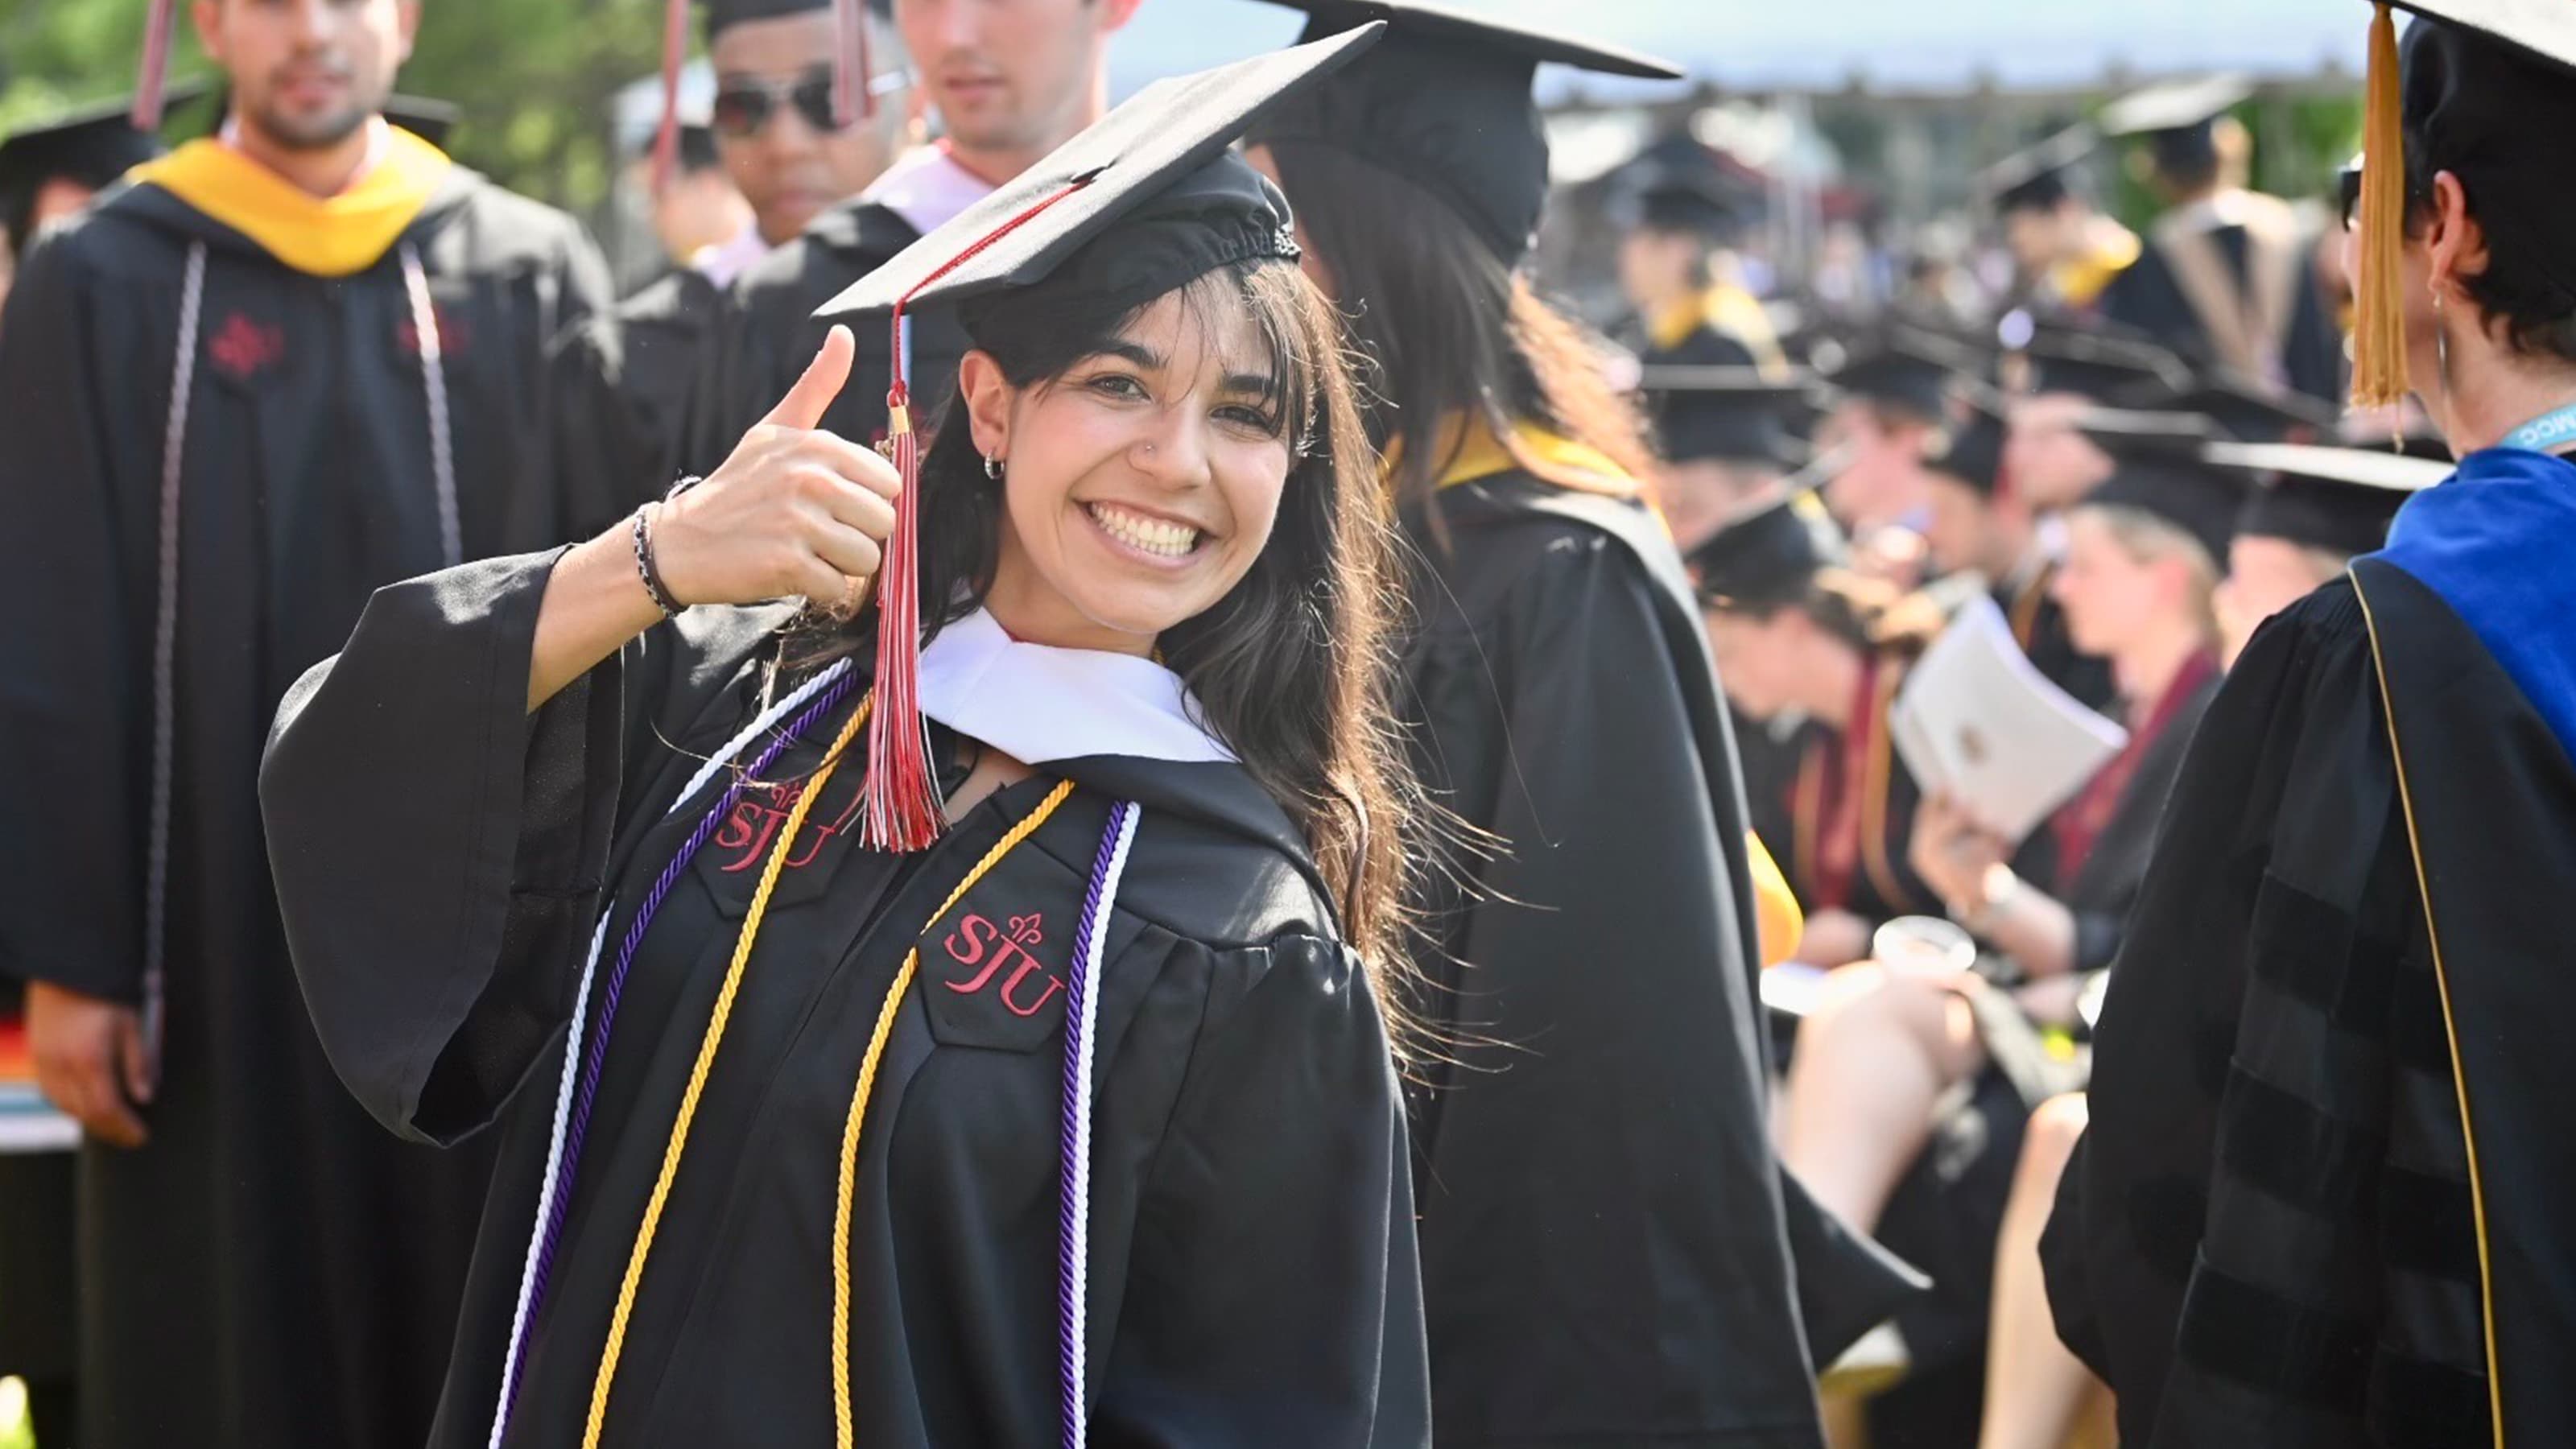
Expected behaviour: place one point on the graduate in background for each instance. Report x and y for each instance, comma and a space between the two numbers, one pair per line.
2322, 1198
1592, 1136
1980, 523
2064, 250
53, 166
1893, 402
1684, 212
2226, 276
1011, 81
1797, 632
2318, 509
1071, 1119
627, 373
1725, 439
278, 370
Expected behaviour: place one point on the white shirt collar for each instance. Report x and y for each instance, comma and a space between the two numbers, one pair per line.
926, 188
1038, 703
730, 258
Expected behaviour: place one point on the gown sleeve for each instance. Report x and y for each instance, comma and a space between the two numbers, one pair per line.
1273, 1295
2232, 1097
439, 851
72, 705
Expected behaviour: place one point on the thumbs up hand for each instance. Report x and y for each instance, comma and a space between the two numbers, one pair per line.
794, 510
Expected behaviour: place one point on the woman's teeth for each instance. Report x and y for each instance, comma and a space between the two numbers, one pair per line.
1153, 535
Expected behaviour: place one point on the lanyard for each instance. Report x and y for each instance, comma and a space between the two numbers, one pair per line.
2547, 433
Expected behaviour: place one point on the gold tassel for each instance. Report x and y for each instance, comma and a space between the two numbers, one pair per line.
2379, 328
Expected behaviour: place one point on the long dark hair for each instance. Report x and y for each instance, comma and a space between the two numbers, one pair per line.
1450, 329
1293, 668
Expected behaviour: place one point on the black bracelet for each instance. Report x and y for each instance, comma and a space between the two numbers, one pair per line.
644, 568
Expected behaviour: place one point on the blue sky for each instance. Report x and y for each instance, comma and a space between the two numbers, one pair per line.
1896, 42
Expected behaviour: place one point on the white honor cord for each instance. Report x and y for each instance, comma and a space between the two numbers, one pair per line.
1086, 1042
165, 659
715, 764
433, 378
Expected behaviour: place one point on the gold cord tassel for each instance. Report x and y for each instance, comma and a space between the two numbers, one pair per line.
2379, 327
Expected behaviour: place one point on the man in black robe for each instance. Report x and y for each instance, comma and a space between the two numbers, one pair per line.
1011, 84
626, 372
281, 369
2323, 1197
2227, 275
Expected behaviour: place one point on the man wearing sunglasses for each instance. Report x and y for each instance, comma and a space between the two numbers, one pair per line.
628, 372
1011, 80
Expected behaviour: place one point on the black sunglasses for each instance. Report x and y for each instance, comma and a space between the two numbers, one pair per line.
743, 106
2348, 193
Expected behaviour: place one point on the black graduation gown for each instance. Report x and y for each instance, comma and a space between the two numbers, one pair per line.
1611, 1255
2146, 297
769, 333
270, 1270
2271, 1234
1252, 1278
624, 377
2039, 627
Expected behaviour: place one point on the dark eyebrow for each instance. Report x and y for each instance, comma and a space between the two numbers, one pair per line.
1135, 352
1258, 384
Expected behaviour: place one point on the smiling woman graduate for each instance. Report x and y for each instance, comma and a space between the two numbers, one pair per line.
1075, 1120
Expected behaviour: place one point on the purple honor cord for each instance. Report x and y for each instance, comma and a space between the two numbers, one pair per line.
572, 1116
1081, 1039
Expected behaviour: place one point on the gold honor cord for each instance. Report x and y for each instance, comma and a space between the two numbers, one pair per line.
698, 1072
842, 1434
2450, 1026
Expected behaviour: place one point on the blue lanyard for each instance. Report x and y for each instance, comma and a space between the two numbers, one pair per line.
2547, 433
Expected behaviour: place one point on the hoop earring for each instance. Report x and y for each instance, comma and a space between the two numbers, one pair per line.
993, 468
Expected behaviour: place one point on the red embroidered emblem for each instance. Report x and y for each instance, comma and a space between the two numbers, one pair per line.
455, 334
978, 942
241, 347
754, 823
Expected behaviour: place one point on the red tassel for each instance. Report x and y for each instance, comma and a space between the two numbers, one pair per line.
152, 76
853, 77
675, 53
901, 806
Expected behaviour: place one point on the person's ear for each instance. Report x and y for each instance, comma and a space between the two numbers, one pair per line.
2456, 246
988, 397
407, 26
208, 17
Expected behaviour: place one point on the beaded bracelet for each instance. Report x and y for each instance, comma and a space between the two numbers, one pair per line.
645, 569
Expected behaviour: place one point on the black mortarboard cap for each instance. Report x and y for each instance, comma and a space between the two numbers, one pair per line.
2159, 466
2039, 177
2247, 409
1769, 552
1445, 103
2100, 366
1732, 414
431, 120
2177, 119
2486, 93
2336, 499
1154, 176
1972, 451
1910, 367
1679, 185
92, 145
1144, 200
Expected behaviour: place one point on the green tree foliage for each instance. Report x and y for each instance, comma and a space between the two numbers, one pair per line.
534, 76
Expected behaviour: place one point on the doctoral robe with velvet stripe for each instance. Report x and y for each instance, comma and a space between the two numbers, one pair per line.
1252, 1275
2268, 1236
270, 1271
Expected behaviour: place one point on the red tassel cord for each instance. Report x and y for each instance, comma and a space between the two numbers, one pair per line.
675, 53
901, 810
853, 77
153, 75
